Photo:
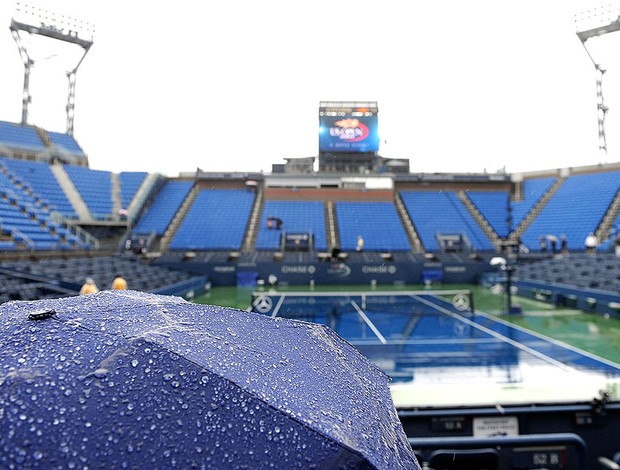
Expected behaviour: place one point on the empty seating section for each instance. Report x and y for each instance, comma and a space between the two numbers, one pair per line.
377, 222
139, 275
24, 221
159, 214
95, 188
493, 205
18, 288
579, 270
576, 209
216, 221
441, 212
130, 183
533, 190
15, 135
296, 216
42, 181
65, 142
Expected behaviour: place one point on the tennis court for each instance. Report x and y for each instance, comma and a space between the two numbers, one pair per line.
440, 351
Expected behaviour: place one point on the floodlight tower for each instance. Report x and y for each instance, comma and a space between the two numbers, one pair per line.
591, 24
35, 21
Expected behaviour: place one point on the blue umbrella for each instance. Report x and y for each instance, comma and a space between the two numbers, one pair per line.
131, 380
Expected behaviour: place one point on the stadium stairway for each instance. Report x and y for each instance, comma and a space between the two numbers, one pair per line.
71, 191
331, 225
412, 234
606, 228
43, 136
139, 201
479, 218
251, 232
117, 204
178, 218
538, 207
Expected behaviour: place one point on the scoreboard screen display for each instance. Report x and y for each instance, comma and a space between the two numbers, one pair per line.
348, 129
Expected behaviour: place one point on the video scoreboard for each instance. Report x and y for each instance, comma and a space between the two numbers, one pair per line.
348, 127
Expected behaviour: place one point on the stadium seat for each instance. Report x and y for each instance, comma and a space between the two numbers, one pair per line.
377, 222
441, 212
297, 216
576, 209
216, 221
159, 214
95, 188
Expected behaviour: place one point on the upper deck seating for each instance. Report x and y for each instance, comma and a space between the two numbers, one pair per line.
43, 183
377, 223
130, 182
493, 205
533, 190
65, 142
16, 135
95, 188
296, 216
216, 221
434, 212
24, 220
159, 214
576, 209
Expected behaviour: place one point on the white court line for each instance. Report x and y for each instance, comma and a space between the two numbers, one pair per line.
551, 340
276, 309
510, 341
368, 322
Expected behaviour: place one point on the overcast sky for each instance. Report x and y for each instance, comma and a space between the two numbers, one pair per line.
235, 85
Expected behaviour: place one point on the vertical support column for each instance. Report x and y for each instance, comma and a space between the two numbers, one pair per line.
26, 98
602, 109
71, 76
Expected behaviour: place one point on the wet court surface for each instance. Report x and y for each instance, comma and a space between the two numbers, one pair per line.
426, 341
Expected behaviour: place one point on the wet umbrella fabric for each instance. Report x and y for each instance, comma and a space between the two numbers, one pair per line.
130, 380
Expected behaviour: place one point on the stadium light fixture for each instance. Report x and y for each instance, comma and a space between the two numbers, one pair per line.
37, 21
592, 24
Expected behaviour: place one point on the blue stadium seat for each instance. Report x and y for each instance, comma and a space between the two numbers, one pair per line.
434, 212
377, 222
576, 209
297, 216
95, 188
26, 219
216, 221
533, 190
130, 183
493, 205
66, 143
42, 181
159, 214
16, 135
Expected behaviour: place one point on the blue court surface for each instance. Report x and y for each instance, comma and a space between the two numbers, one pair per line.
439, 351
